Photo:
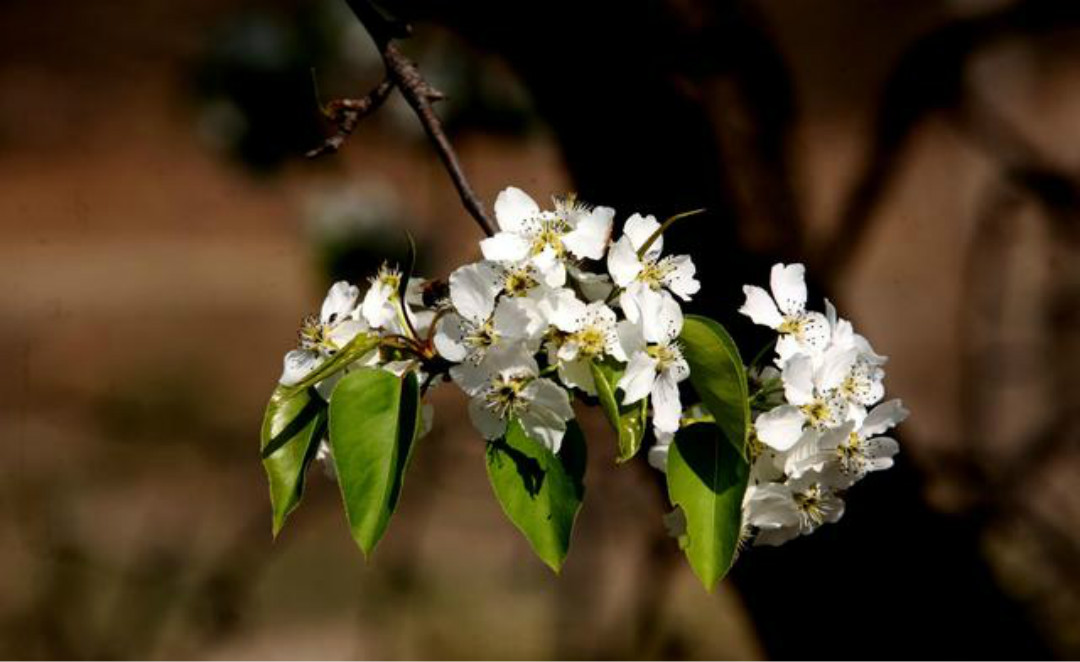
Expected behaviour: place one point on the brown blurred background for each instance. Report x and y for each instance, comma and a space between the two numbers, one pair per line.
163, 236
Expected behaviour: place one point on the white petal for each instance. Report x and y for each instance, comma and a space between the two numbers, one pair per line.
760, 308
471, 378
631, 337
639, 228
550, 396
343, 332
473, 289
835, 367
551, 268
880, 452
512, 207
680, 279
780, 428
789, 287
577, 374
595, 287
798, 378
562, 309
486, 422
540, 425
661, 315
883, 417
658, 455
340, 302
623, 263
298, 364
448, 338
505, 247
376, 308
816, 332
638, 378
667, 408
589, 239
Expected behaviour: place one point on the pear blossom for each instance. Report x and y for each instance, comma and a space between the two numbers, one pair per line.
780, 512
656, 365
380, 305
648, 279
812, 398
547, 240
508, 386
785, 311
323, 335
596, 337
852, 450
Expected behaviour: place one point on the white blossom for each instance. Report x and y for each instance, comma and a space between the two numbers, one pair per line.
783, 511
648, 280
508, 386
656, 365
785, 311
323, 335
595, 338
847, 453
547, 240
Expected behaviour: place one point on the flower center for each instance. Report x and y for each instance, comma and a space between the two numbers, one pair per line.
504, 397
316, 335
819, 413
809, 503
851, 454
549, 233
519, 282
389, 277
481, 338
592, 341
653, 273
665, 355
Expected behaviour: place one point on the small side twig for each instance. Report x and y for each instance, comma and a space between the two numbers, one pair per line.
347, 113
402, 73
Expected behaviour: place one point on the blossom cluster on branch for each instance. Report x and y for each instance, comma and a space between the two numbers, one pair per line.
558, 309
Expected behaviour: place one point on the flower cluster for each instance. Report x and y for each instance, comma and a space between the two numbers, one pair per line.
519, 329
821, 415
557, 303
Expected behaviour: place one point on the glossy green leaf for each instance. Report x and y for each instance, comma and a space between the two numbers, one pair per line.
539, 491
627, 420
374, 418
707, 478
291, 429
718, 376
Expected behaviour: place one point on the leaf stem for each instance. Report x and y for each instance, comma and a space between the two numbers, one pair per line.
664, 226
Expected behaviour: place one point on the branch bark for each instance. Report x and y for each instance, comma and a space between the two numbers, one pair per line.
402, 73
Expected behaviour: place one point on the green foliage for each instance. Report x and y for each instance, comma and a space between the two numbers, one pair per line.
290, 436
374, 419
718, 376
627, 420
707, 478
541, 492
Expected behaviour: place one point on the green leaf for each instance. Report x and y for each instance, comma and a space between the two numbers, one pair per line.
291, 429
356, 349
718, 376
374, 419
707, 478
539, 491
627, 420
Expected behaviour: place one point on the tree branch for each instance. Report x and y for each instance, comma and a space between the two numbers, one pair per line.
347, 113
402, 73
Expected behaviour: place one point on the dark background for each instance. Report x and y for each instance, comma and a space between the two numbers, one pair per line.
163, 236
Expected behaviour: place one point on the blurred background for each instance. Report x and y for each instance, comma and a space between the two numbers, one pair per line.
163, 236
